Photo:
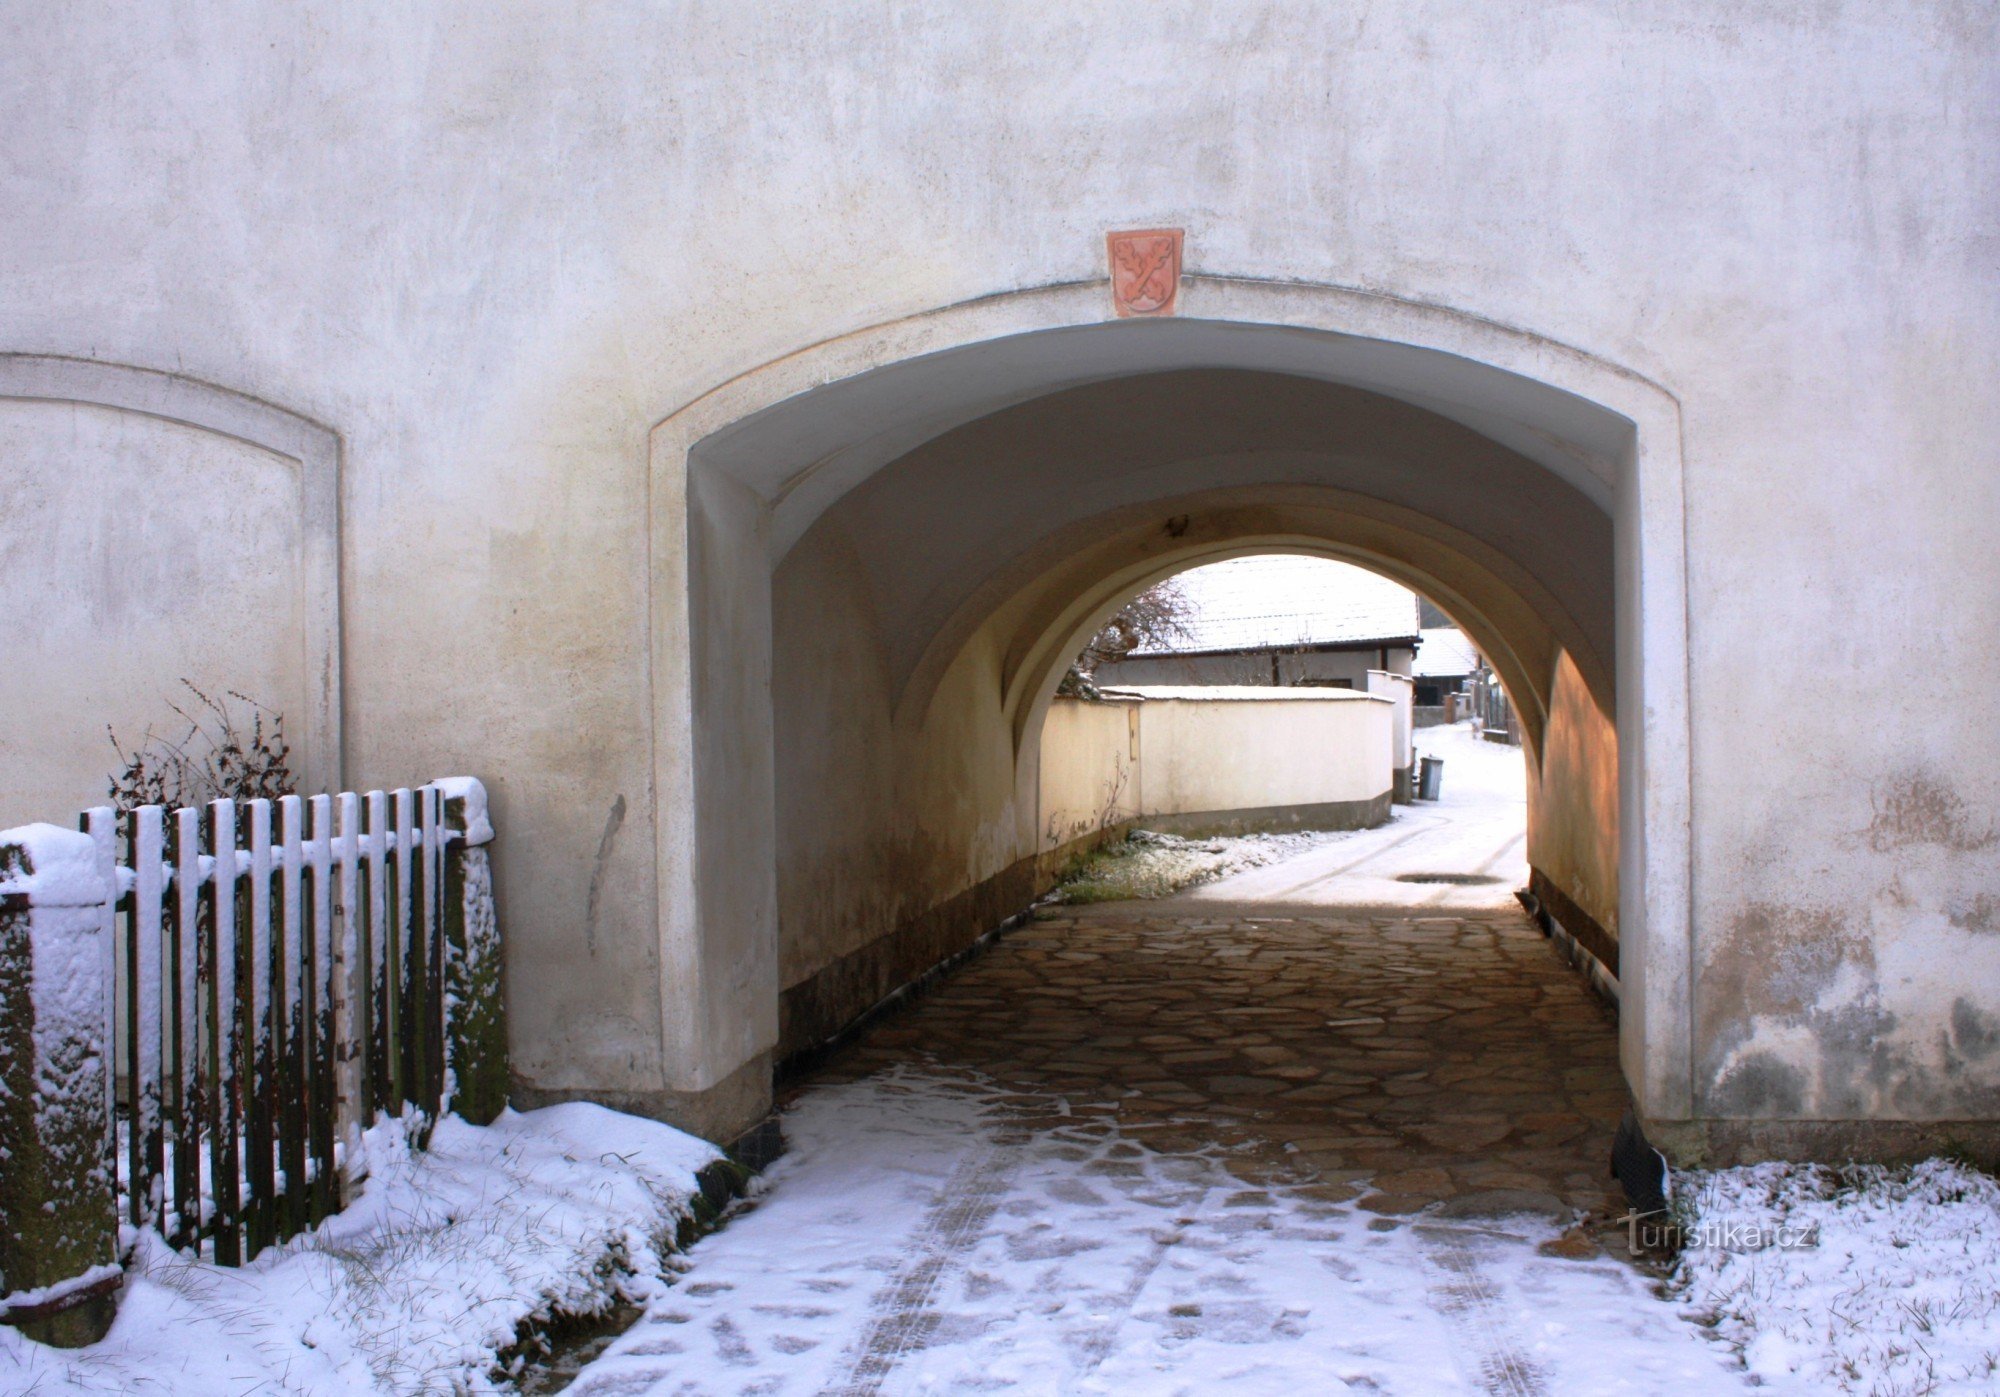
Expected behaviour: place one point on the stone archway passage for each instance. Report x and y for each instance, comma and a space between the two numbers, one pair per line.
893, 542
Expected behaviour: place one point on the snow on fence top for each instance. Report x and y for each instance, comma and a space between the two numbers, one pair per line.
55, 867
231, 993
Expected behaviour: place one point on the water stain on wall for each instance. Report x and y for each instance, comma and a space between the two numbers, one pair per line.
1760, 1085
1779, 960
1793, 1026
601, 869
1975, 1034
1785, 965
1921, 809
1976, 913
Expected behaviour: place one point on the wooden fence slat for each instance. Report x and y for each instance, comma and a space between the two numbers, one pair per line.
259, 969
420, 956
318, 948
146, 975
100, 822
433, 850
407, 1022
124, 991
288, 999
440, 954
475, 1013
125, 1045
382, 981
184, 853
350, 983
222, 960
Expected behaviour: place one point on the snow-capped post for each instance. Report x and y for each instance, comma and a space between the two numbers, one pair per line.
58, 1209
476, 1077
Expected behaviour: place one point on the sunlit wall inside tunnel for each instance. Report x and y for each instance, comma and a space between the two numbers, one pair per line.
921, 624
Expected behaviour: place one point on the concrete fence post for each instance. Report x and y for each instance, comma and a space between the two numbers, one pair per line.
476, 1074
58, 1206
1399, 689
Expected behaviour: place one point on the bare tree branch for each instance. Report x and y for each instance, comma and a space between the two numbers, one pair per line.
224, 753
1156, 618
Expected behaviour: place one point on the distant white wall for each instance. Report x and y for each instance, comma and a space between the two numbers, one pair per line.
1090, 767
1167, 752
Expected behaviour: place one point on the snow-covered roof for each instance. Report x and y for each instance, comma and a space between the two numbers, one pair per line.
1278, 600
1446, 652
1240, 693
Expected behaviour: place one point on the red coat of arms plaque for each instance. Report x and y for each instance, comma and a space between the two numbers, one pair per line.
1146, 271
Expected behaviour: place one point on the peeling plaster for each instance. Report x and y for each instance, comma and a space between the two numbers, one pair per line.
1975, 913
1795, 1006
1921, 809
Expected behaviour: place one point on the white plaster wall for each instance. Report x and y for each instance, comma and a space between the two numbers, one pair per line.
1247, 749
1092, 769
134, 553
1573, 799
879, 821
492, 246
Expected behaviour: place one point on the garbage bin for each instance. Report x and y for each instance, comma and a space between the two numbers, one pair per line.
1430, 776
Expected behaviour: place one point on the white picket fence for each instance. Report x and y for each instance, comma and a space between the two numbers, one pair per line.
270, 977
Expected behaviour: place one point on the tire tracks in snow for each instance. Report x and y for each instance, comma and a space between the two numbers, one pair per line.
903, 1317
1431, 824
1470, 1304
1097, 1346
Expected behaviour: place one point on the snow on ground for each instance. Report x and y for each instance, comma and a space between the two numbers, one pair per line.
1479, 827
418, 1283
913, 1240
1148, 863
1899, 1291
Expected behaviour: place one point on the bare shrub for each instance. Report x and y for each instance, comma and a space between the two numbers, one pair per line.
233, 748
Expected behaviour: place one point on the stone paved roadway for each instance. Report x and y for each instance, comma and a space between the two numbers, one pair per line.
1401, 1060
1249, 1139
1159, 1148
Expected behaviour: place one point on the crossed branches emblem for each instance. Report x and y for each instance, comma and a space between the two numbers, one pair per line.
1147, 265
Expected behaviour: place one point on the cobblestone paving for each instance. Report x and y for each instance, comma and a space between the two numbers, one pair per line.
1396, 1059
1180, 1147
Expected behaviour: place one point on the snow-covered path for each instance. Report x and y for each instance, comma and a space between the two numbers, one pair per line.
933, 1233
1478, 828
1234, 1141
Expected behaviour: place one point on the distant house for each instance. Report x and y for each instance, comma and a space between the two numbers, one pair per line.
1446, 659
1282, 621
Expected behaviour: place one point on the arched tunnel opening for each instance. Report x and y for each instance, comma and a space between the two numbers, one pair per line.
894, 549
922, 623
1422, 1048
1284, 727
889, 570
